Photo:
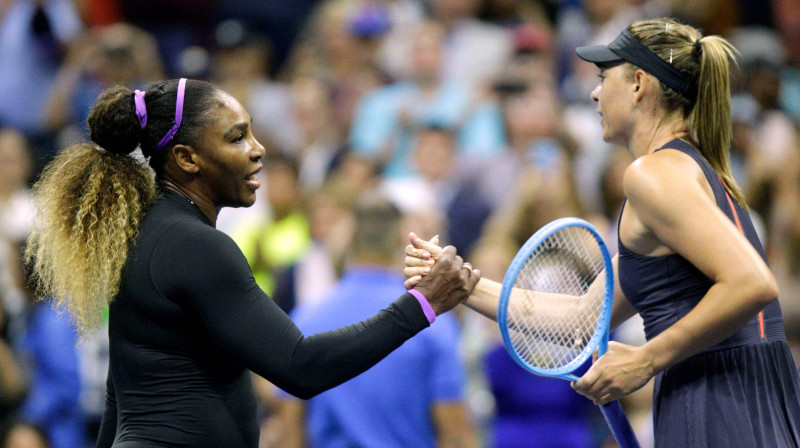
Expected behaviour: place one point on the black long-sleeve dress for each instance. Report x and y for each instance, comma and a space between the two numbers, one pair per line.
189, 323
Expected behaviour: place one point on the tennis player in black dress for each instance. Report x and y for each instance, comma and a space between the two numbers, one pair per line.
187, 321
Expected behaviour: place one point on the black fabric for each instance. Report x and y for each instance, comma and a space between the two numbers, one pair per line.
188, 323
627, 48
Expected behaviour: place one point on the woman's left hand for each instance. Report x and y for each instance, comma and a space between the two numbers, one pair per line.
421, 255
622, 370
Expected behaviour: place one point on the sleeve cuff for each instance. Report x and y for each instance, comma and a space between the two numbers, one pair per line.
426, 307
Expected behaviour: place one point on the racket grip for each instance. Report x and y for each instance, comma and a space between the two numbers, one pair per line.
619, 425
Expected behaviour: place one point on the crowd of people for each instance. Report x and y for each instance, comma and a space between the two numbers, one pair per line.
470, 119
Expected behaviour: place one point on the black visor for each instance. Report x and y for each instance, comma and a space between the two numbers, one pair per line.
627, 48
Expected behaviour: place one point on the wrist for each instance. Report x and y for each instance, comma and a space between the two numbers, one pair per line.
430, 314
653, 358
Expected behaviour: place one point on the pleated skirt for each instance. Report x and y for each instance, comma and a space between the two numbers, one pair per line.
747, 396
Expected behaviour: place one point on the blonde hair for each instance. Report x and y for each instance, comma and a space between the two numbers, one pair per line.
89, 204
707, 61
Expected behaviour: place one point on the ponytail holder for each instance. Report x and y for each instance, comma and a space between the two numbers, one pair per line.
141, 108
697, 46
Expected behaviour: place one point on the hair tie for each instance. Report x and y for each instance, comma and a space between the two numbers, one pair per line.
141, 108
697, 46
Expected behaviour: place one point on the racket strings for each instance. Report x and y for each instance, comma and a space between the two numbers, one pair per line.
552, 315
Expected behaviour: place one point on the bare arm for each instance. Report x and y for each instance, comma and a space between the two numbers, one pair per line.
453, 426
688, 221
557, 308
682, 215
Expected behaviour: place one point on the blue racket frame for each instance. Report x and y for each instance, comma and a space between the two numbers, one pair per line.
612, 412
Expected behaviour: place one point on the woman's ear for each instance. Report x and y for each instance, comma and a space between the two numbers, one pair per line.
641, 82
186, 158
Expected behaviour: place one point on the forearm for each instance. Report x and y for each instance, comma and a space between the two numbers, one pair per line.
485, 298
310, 365
723, 310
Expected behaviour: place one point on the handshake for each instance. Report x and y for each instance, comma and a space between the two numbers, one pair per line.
438, 273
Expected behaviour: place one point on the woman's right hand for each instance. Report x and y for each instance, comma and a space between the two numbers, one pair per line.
450, 281
421, 255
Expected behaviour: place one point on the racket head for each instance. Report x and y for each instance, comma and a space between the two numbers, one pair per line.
581, 256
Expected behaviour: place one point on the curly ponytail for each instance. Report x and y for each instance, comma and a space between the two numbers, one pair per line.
90, 200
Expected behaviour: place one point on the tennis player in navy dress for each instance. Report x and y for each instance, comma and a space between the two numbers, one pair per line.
690, 262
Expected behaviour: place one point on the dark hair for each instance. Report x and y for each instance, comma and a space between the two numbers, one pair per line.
113, 124
377, 225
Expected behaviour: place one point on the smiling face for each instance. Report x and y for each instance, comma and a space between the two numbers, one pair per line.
614, 99
229, 158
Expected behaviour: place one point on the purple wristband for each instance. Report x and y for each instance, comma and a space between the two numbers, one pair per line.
426, 307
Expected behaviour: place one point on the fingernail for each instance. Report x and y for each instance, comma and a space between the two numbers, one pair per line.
426, 271
426, 255
431, 262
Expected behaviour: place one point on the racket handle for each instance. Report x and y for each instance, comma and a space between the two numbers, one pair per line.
619, 425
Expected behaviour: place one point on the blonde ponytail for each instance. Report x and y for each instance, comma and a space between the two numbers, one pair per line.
707, 61
89, 205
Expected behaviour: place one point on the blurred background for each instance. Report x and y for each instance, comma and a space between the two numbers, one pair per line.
472, 117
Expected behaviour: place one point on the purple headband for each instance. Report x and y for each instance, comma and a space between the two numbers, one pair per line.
141, 108
141, 112
178, 115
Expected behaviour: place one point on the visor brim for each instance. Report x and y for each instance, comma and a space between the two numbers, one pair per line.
598, 54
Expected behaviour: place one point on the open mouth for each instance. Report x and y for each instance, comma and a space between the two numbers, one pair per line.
252, 179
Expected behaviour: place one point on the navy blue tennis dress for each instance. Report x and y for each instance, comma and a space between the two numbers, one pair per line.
743, 392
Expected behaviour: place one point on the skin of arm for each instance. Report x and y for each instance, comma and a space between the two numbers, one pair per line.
452, 425
485, 297
671, 200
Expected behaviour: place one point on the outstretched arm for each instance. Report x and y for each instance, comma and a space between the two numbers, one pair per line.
422, 254
221, 290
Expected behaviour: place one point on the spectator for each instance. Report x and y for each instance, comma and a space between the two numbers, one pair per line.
241, 64
275, 243
317, 271
16, 220
32, 33
444, 184
386, 118
53, 401
476, 51
100, 58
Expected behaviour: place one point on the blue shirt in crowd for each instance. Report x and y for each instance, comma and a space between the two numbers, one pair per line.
390, 404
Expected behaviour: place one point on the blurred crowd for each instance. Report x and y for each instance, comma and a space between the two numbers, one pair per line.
472, 117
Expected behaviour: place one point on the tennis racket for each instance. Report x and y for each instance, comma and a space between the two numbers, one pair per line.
555, 307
